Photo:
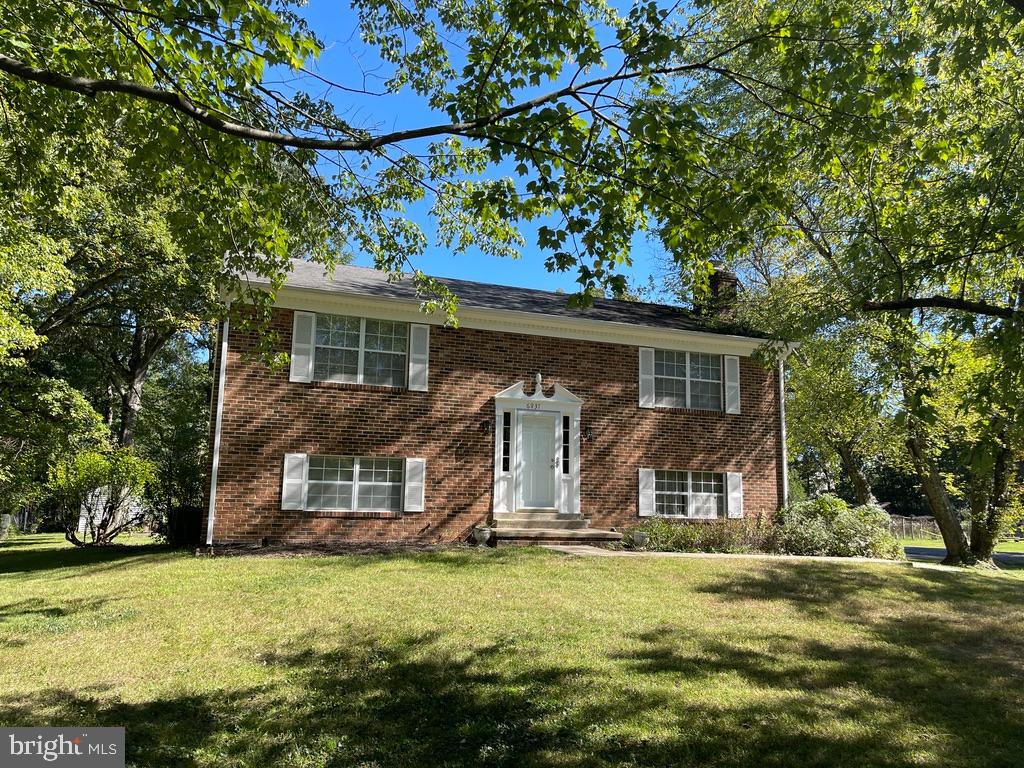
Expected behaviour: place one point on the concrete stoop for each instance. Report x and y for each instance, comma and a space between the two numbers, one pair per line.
547, 527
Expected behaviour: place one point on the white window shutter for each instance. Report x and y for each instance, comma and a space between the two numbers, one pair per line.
293, 483
303, 330
646, 377
732, 384
646, 507
415, 483
734, 501
419, 357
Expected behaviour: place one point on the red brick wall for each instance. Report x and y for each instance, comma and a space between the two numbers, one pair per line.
266, 416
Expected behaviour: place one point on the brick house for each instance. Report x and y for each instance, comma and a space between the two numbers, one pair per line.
549, 422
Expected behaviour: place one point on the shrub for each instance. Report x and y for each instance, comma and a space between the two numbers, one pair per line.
726, 536
107, 487
827, 525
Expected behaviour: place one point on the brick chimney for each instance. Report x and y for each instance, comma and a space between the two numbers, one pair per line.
724, 287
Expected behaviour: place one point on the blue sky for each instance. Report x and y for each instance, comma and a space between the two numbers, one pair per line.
345, 59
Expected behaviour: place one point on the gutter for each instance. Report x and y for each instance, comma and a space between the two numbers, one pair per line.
293, 297
222, 361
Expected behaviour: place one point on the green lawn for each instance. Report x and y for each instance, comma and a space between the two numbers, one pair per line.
513, 658
1003, 546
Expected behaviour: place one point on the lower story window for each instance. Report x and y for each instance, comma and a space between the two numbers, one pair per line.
354, 484
689, 494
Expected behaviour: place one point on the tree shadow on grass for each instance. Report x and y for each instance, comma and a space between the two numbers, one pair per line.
399, 703
83, 560
385, 701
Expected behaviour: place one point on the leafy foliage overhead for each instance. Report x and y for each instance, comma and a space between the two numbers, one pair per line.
687, 118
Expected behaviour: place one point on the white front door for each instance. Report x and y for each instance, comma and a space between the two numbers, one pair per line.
538, 460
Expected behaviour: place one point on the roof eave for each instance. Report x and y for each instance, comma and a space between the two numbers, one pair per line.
514, 321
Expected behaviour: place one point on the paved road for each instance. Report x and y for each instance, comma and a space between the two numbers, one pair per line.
926, 554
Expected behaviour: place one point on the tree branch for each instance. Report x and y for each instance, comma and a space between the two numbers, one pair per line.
177, 101
941, 302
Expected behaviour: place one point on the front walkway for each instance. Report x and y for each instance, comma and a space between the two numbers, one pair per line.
582, 550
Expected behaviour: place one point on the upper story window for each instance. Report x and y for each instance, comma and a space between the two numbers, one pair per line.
687, 380
360, 351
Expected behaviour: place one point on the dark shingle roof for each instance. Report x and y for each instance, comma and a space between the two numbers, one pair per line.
372, 282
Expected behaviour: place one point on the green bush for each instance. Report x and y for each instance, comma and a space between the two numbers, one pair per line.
107, 486
727, 536
827, 525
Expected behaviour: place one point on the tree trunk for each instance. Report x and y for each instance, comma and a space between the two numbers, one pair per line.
134, 371
861, 483
131, 403
958, 550
988, 504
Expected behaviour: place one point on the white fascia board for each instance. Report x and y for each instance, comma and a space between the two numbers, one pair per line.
509, 321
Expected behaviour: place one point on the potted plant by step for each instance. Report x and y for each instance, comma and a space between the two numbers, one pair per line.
482, 535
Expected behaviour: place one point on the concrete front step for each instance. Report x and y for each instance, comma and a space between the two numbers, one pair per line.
507, 536
529, 521
538, 514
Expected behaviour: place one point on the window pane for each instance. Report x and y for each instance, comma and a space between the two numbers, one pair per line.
706, 395
384, 368
670, 489
331, 364
708, 367
383, 336
330, 483
337, 331
670, 393
667, 363
380, 484
669, 378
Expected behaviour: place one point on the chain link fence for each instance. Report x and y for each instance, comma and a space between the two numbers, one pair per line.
914, 527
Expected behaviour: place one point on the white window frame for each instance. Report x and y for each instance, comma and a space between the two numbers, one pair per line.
354, 506
361, 351
687, 380
721, 503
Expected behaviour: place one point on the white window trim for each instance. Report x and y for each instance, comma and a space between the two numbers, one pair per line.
362, 352
354, 508
687, 379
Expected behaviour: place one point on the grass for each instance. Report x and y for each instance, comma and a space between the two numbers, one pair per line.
1016, 545
513, 658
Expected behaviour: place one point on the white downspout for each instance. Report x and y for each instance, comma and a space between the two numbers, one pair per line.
223, 363
782, 423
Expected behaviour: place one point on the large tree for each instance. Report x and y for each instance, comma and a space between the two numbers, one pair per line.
901, 205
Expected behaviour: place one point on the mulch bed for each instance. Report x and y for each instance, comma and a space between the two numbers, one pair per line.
315, 550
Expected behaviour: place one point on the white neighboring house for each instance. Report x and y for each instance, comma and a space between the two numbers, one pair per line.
95, 501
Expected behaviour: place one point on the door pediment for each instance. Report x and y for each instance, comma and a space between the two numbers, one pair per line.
559, 395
